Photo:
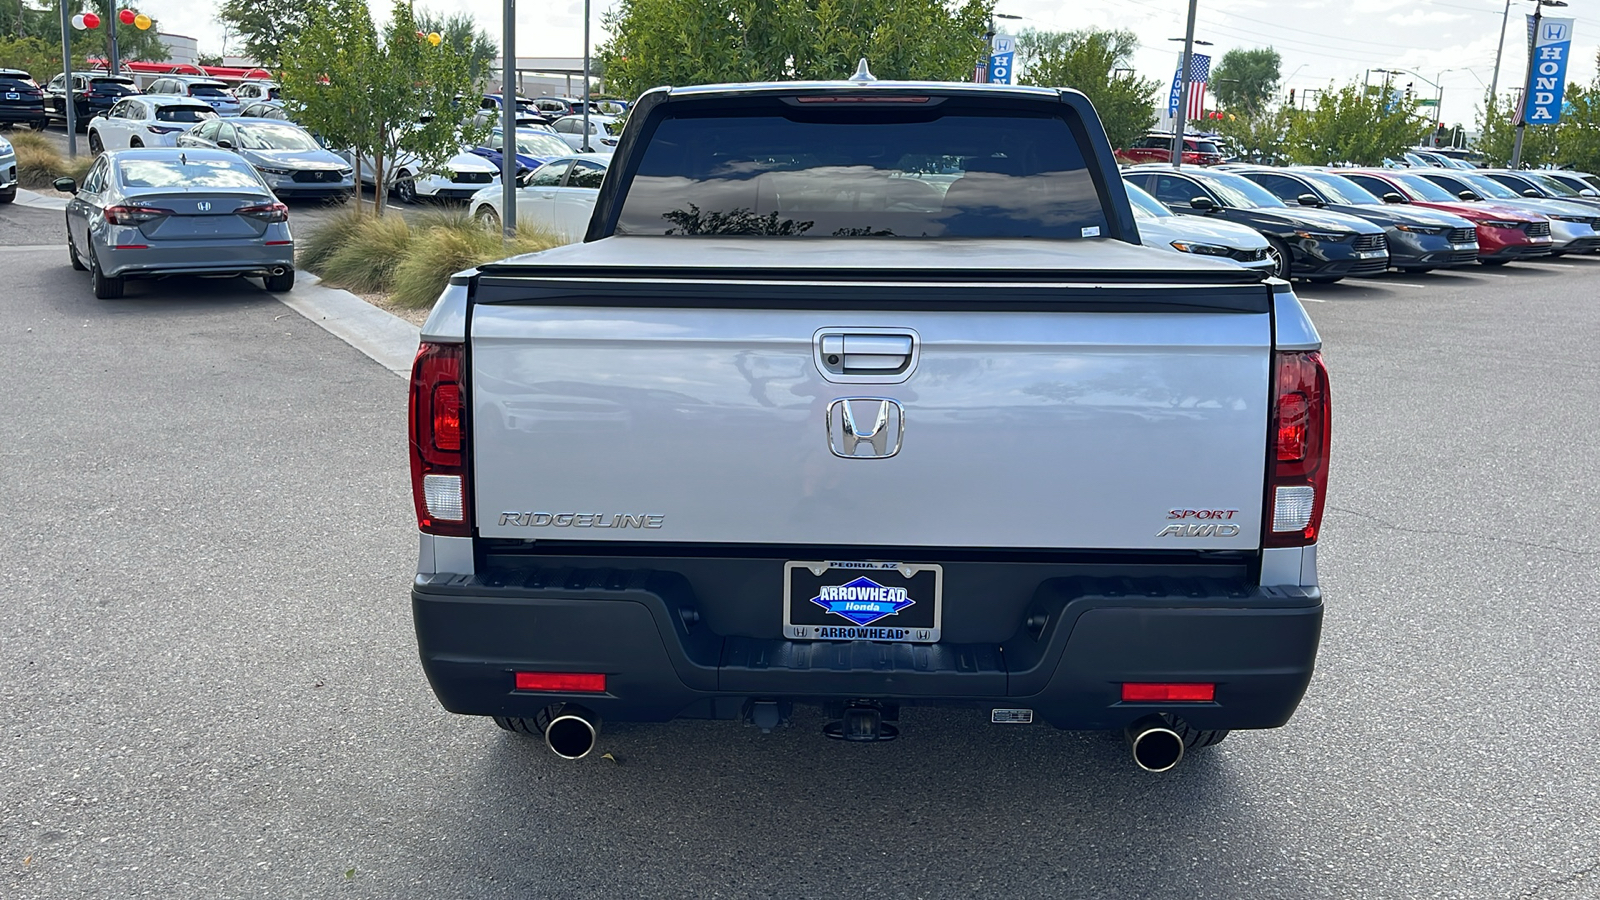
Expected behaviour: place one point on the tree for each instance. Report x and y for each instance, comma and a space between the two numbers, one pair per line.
461, 32
36, 56
382, 96
680, 42
1352, 125
1260, 137
1246, 80
265, 27
1087, 61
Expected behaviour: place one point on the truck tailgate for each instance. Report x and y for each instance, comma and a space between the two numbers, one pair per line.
1092, 427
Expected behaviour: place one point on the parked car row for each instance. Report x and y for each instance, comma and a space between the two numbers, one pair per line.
1323, 224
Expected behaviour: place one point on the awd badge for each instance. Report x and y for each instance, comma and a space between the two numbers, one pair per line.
862, 601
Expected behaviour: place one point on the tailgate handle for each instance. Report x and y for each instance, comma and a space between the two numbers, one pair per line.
866, 354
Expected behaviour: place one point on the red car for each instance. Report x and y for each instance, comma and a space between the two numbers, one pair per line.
1504, 234
1155, 147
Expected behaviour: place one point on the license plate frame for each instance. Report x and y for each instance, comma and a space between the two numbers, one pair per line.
864, 612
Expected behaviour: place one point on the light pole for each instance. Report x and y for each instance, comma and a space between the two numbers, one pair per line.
508, 121
1500, 48
586, 148
988, 41
1181, 118
1527, 81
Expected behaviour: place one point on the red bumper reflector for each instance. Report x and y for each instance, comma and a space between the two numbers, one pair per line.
1168, 693
131, 247
561, 681
278, 243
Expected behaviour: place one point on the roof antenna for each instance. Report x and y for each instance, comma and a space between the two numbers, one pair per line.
863, 74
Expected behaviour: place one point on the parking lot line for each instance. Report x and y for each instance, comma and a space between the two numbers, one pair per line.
31, 248
1310, 299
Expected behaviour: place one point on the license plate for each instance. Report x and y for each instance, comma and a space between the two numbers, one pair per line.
1463, 246
1370, 254
862, 601
13, 96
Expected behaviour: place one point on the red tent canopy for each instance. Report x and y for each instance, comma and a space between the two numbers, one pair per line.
230, 73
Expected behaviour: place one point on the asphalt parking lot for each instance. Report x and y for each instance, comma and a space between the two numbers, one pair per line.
210, 687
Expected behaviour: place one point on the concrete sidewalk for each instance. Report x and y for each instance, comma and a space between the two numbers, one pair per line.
35, 200
385, 337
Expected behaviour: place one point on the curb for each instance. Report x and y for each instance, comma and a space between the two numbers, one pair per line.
34, 200
385, 337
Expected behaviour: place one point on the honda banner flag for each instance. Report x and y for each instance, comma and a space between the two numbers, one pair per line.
1001, 54
1552, 44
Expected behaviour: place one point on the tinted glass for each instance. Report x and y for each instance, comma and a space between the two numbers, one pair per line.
17, 83
851, 173
108, 86
1203, 147
549, 174
1551, 184
1488, 187
1175, 191
1427, 190
206, 90
1146, 205
272, 136
540, 144
1283, 187
1240, 193
196, 173
586, 174
613, 128
183, 114
1341, 189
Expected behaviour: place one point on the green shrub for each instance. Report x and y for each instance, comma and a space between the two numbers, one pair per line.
448, 243
39, 163
313, 248
367, 260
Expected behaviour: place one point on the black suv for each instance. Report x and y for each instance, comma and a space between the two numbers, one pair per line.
21, 99
92, 95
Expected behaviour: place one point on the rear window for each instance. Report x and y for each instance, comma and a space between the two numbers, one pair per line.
883, 172
183, 114
206, 90
16, 83
173, 173
110, 86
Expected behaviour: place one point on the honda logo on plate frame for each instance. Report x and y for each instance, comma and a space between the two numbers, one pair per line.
878, 422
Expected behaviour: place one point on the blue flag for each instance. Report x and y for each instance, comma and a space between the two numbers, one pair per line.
1552, 44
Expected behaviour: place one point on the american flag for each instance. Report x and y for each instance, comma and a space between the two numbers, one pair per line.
1199, 74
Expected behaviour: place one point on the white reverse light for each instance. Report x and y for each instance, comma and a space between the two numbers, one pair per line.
1291, 509
443, 495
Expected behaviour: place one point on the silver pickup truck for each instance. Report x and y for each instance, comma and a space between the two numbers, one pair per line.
863, 395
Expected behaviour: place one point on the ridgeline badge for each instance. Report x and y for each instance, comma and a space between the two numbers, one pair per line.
862, 601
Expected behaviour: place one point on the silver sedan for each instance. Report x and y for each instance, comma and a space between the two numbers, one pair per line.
176, 211
286, 155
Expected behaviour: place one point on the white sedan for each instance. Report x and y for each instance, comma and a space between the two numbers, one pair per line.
459, 178
146, 121
558, 197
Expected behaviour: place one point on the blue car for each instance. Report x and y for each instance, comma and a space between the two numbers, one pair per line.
535, 147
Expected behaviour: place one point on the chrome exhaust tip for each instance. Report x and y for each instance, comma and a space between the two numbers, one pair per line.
278, 270
1156, 747
572, 732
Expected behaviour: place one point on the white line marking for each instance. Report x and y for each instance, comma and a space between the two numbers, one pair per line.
1312, 300
1490, 275
31, 248
1559, 265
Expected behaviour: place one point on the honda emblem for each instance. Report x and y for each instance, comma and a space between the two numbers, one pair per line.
203, 206
875, 422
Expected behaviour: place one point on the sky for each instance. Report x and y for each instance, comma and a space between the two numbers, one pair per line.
1322, 42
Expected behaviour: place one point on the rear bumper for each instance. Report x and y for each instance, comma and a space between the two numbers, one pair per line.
208, 259
1078, 640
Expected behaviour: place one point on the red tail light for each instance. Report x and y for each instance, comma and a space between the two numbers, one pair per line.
1163, 692
266, 212
561, 681
438, 466
1298, 454
134, 215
